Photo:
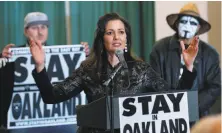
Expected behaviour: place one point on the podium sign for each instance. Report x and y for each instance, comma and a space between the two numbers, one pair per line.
165, 112
156, 113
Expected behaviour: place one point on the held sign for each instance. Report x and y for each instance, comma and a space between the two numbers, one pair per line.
60, 61
157, 113
27, 108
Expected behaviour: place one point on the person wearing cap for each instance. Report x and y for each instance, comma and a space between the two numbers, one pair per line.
167, 60
35, 27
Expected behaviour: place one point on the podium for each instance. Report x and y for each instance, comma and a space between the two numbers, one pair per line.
97, 113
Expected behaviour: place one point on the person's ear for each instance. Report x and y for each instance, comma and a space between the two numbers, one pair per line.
198, 28
25, 32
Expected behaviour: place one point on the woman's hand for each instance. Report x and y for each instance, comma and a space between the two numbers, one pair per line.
38, 54
190, 53
86, 48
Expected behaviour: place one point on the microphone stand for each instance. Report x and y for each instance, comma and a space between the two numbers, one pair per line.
112, 109
111, 96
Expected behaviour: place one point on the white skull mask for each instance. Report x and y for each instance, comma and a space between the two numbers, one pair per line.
188, 27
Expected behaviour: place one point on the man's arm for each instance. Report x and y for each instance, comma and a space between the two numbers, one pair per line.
212, 83
155, 60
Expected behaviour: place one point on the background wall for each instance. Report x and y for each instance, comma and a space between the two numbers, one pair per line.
214, 17
82, 21
140, 15
214, 36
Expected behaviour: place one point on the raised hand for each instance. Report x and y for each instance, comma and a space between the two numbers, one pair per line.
38, 54
190, 53
86, 48
5, 52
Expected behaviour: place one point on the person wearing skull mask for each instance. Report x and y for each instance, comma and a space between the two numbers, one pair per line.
167, 60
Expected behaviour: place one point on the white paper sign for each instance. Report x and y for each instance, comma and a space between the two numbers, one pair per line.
27, 108
157, 113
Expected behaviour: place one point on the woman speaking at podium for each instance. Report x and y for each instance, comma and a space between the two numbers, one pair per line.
110, 68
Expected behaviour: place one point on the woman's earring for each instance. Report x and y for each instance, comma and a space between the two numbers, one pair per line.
125, 49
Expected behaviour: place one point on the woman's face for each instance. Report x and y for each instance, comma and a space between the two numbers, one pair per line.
115, 36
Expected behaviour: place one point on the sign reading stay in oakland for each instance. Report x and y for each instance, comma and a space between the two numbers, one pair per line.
156, 113
27, 108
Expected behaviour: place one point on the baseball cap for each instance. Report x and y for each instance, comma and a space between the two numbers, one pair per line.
34, 18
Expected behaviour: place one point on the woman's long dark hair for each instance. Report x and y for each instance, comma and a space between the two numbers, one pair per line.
98, 52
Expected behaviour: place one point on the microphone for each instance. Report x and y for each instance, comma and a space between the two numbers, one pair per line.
120, 55
106, 83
